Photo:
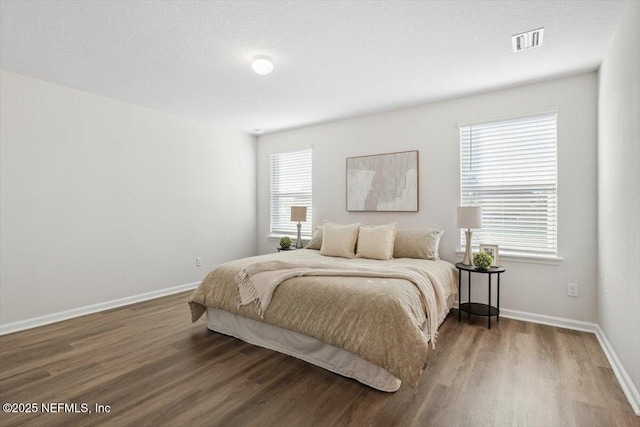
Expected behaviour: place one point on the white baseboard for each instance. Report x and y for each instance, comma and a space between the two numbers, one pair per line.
560, 322
94, 308
627, 385
629, 389
542, 319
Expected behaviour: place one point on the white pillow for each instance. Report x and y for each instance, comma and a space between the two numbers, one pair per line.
339, 240
377, 242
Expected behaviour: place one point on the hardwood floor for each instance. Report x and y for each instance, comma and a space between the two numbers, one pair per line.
153, 367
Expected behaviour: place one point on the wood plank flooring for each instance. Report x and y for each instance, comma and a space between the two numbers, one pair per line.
153, 367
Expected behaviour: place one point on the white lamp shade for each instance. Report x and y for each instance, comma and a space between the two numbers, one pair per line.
469, 217
298, 213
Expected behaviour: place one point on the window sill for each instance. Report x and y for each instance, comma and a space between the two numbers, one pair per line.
530, 259
293, 237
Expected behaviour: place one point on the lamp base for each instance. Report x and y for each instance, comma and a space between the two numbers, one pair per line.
468, 253
299, 241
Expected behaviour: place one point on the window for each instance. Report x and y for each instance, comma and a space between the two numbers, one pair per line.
290, 186
509, 168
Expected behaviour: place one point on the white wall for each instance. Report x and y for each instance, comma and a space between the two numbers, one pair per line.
432, 129
102, 200
619, 194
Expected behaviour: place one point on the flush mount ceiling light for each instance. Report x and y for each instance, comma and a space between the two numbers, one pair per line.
258, 131
528, 40
262, 64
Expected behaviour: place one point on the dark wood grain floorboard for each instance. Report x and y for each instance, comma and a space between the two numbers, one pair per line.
153, 367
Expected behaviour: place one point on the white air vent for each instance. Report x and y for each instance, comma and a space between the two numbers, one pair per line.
528, 40
535, 38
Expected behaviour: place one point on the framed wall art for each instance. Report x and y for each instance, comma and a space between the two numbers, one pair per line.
383, 182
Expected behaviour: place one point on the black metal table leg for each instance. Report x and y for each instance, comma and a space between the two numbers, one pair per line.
498, 301
489, 303
459, 289
469, 292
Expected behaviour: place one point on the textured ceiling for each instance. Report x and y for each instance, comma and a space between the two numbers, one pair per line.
333, 59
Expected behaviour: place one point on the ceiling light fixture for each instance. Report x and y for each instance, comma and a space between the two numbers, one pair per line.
528, 40
262, 64
258, 131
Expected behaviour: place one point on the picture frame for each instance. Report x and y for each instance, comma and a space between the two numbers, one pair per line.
383, 182
492, 250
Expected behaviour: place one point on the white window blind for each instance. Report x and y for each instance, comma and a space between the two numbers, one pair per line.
290, 186
509, 168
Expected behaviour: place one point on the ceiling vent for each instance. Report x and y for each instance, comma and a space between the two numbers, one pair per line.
528, 40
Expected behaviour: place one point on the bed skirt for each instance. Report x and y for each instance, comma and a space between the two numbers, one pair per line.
302, 347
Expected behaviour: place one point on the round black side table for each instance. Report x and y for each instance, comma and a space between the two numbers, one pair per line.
477, 308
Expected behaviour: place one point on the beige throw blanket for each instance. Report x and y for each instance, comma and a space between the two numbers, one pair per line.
258, 281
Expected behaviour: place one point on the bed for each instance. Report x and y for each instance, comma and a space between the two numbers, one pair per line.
361, 318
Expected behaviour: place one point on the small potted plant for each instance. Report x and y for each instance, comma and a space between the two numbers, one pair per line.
285, 242
482, 261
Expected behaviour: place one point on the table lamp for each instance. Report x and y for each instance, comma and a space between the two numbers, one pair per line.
469, 217
299, 213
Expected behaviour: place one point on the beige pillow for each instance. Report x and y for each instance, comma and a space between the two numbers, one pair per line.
377, 242
339, 240
316, 239
420, 243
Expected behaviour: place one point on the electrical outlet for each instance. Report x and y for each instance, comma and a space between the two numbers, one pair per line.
572, 289
198, 261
